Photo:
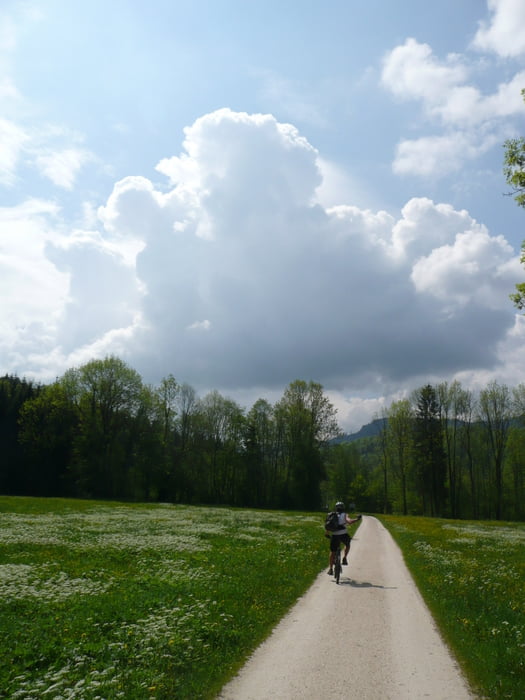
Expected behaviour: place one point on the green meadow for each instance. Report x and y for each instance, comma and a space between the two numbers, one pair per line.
109, 600
112, 600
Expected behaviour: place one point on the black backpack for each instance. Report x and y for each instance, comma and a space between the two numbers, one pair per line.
332, 521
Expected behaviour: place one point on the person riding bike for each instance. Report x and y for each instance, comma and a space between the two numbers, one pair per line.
340, 535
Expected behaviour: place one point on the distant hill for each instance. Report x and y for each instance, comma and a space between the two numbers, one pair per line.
374, 428
369, 430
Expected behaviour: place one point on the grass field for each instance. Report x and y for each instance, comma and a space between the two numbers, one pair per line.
112, 600
101, 600
472, 576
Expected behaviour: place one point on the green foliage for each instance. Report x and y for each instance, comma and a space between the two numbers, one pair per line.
99, 432
343, 465
514, 166
518, 297
514, 170
142, 601
47, 427
306, 420
445, 451
14, 392
496, 410
455, 412
429, 453
400, 442
471, 575
516, 483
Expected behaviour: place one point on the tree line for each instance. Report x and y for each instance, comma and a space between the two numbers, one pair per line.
100, 432
442, 452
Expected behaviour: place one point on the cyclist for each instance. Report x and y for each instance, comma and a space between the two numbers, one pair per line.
340, 535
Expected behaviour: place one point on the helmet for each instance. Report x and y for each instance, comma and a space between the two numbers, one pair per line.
339, 506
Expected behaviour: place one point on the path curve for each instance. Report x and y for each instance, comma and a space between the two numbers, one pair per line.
386, 644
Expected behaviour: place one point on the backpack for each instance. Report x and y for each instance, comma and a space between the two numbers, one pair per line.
332, 522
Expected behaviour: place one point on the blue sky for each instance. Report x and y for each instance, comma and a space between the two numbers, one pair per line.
243, 193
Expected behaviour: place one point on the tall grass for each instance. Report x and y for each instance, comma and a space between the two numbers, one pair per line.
472, 576
101, 600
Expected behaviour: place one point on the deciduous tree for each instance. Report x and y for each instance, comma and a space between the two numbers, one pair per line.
261, 454
428, 451
514, 169
307, 420
496, 411
400, 443
49, 423
107, 394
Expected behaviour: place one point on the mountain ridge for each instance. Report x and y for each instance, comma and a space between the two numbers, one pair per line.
369, 430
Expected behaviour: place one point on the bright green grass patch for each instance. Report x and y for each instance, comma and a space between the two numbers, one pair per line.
472, 576
109, 600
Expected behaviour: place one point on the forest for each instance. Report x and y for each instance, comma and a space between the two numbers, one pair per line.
100, 432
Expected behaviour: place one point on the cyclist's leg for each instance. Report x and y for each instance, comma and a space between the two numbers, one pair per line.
334, 545
346, 540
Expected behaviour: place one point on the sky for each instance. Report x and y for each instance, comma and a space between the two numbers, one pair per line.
242, 194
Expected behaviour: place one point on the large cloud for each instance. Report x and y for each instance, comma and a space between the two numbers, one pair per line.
249, 281
233, 276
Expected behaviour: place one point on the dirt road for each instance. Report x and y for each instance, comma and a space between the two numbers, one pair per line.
370, 637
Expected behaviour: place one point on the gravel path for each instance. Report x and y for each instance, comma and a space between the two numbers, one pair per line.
369, 638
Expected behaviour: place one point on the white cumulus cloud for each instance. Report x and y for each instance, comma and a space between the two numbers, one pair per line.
505, 32
412, 71
464, 121
476, 268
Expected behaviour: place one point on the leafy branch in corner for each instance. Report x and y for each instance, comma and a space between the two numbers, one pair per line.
514, 170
